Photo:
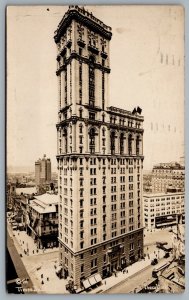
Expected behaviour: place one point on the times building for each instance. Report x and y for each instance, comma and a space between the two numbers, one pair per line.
100, 156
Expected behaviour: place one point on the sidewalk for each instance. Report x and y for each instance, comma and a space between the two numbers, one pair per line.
42, 270
112, 281
39, 265
27, 244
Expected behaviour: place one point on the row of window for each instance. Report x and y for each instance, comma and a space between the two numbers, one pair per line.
94, 160
92, 143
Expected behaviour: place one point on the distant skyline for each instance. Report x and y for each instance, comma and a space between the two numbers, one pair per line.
147, 70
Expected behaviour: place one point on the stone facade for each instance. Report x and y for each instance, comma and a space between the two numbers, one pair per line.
161, 209
167, 176
100, 156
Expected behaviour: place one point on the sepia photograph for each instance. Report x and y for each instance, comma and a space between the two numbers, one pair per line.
95, 168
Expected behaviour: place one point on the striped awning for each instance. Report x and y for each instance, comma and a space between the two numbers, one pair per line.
98, 278
86, 284
92, 280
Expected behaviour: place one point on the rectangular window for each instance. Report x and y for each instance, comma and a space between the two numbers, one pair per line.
82, 268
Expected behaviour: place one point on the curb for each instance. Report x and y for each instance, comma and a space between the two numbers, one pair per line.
117, 284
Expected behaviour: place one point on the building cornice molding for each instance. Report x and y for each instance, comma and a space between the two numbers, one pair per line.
86, 19
83, 59
118, 127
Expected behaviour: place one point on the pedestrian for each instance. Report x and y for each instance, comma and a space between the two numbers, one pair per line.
42, 282
41, 275
47, 278
33, 251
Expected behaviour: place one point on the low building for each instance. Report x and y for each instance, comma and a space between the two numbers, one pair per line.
166, 176
171, 280
161, 209
26, 191
42, 223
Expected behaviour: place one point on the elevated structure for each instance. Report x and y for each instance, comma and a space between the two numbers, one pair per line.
100, 156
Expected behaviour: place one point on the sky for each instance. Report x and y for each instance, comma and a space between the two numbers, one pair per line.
147, 70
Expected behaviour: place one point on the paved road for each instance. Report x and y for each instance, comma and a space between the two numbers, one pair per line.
19, 266
135, 281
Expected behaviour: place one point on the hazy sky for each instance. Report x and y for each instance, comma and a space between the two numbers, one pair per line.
147, 70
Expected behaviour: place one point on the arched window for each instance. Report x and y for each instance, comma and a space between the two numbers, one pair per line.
80, 128
92, 140
137, 145
91, 81
112, 142
103, 131
65, 135
121, 143
130, 144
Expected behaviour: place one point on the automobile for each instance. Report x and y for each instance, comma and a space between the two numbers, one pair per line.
161, 244
154, 262
166, 255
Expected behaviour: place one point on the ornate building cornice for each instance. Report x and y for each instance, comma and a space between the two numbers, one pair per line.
84, 17
118, 127
80, 58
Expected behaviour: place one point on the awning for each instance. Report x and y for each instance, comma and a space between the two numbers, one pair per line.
92, 280
166, 224
98, 278
86, 284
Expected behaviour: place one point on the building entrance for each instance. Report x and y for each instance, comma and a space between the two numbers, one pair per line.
114, 266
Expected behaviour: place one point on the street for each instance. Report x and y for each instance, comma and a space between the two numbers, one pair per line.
41, 266
19, 266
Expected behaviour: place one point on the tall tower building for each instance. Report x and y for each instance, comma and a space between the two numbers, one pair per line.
43, 171
100, 156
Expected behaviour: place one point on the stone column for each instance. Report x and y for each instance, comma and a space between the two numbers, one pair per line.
116, 142
62, 89
74, 136
59, 91
108, 141
126, 144
74, 85
141, 145
100, 140
85, 83
133, 144
106, 90
68, 85
86, 138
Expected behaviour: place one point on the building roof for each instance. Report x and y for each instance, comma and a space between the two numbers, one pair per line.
88, 19
152, 195
26, 190
45, 203
172, 165
43, 209
47, 198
